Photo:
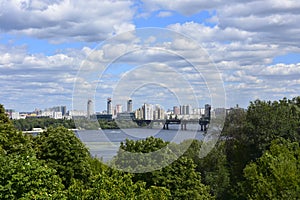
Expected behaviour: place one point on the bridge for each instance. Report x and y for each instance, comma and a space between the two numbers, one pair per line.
203, 122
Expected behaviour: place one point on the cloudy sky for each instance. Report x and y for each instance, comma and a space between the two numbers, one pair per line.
63, 52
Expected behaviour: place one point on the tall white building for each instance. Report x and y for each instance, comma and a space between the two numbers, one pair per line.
89, 108
185, 110
158, 112
57, 115
15, 115
119, 108
109, 106
129, 105
148, 111
139, 113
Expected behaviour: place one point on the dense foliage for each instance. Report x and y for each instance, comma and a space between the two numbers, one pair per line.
28, 124
180, 177
257, 157
276, 174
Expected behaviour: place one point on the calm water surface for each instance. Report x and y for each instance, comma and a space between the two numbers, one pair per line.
105, 143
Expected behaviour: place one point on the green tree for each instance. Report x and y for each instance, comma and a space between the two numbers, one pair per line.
44, 122
248, 134
213, 167
180, 177
11, 140
63, 151
117, 185
25, 177
276, 174
267, 121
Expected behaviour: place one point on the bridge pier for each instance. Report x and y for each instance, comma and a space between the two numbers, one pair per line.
166, 126
183, 126
203, 127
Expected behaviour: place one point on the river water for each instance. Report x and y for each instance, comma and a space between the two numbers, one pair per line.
104, 144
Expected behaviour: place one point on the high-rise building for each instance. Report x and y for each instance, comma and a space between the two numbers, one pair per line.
118, 108
182, 110
89, 108
139, 113
188, 109
129, 105
109, 106
176, 110
147, 111
158, 113
63, 110
207, 111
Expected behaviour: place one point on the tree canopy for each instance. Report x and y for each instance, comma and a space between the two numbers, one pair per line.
257, 157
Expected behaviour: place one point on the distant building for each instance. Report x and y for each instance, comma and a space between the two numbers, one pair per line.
119, 108
185, 109
48, 114
109, 106
9, 112
126, 116
129, 105
57, 115
188, 110
207, 113
107, 117
158, 112
77, 113
147, 111
89, 108
182, 110
15, 115
139, 113
63, 110
197, 111
176, 110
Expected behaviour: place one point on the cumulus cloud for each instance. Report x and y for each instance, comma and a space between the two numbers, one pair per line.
187, 7
66, 20
34, 80
164, 14
242, 43
282, 70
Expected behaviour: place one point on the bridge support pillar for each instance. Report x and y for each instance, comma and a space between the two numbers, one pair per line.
201, 127
166, 126
183, 126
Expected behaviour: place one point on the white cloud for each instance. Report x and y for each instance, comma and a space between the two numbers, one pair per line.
164, 14
187, 7
67, 20
282, 70
204, 33
35, 80
247, 36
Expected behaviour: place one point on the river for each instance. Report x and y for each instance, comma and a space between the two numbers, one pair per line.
105, 143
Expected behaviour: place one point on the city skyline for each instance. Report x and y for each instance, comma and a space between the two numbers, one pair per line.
254, 46
113, 109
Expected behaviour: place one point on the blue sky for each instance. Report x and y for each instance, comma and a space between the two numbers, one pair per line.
45, 46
